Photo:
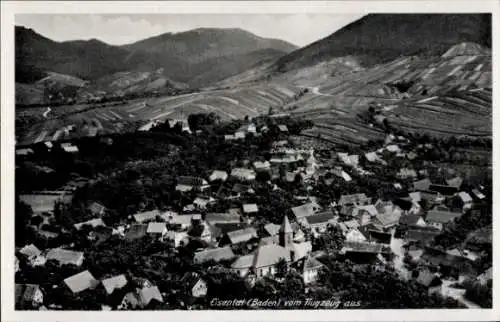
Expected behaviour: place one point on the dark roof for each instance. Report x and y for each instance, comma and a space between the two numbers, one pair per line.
423, 184
379, 237
443, 189
409, 220
403, 204
441, 216
362, 247
190, 181
421, 234
322, 217
136, 231
190, 279
354, 198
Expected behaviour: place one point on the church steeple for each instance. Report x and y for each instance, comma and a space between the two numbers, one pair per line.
286, 233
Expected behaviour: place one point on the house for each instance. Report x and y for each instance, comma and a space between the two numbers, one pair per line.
437, 218
202, 202
387, 220
114, 283
157, 229
422, 185
376, 236
455, 182
141, 298
320, 221
189, 183
478, 194
239, 188
30, 251
28, 296
24, 152
415, 196
354, 199
412, 221
405, 173
247, 128
243, 264
350, 160
486, 276
363, 247
81, 282
300, 250
408, 205
214, 218
444, 190
177, 238
65, 256
430, 281
218, 175
310, 269
262, 166
266, 257
272, 229
146, 216
283, 128
393, 148
421, 234
346, 226
96, 209
250, 208
342, 174
91, 223
69, 148
239, 236
431, 197
194, 285
462, 200
229, 137
306, 210
136, 231
355, 235
185, 221
239, 135
363, 214
214, 254
243, 174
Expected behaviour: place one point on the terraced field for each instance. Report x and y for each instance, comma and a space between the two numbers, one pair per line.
462, 113
87, 120
441, 96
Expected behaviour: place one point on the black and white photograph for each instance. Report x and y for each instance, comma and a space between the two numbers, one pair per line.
246, 161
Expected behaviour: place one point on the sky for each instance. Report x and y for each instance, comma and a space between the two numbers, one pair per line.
298, 29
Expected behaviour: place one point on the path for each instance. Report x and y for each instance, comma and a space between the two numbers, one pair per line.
47, 112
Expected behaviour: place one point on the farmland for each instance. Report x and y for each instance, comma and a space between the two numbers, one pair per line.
440, 96
66, 122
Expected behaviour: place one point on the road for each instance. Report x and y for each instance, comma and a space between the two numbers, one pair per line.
47, 112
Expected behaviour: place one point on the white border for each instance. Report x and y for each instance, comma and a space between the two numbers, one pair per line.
8, 9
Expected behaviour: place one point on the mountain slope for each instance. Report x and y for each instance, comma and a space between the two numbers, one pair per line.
379, 38
182, 56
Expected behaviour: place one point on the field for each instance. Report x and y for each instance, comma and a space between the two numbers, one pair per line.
440, 96
90, 120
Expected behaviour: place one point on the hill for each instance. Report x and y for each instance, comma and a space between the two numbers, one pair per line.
182, 56
379, 38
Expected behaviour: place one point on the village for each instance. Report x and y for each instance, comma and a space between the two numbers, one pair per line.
384, 206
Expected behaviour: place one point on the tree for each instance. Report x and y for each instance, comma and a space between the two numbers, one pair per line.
281, 268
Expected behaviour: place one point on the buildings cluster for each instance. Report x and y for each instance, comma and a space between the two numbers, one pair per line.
373, 229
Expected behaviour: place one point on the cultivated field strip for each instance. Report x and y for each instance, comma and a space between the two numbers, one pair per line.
229, 104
